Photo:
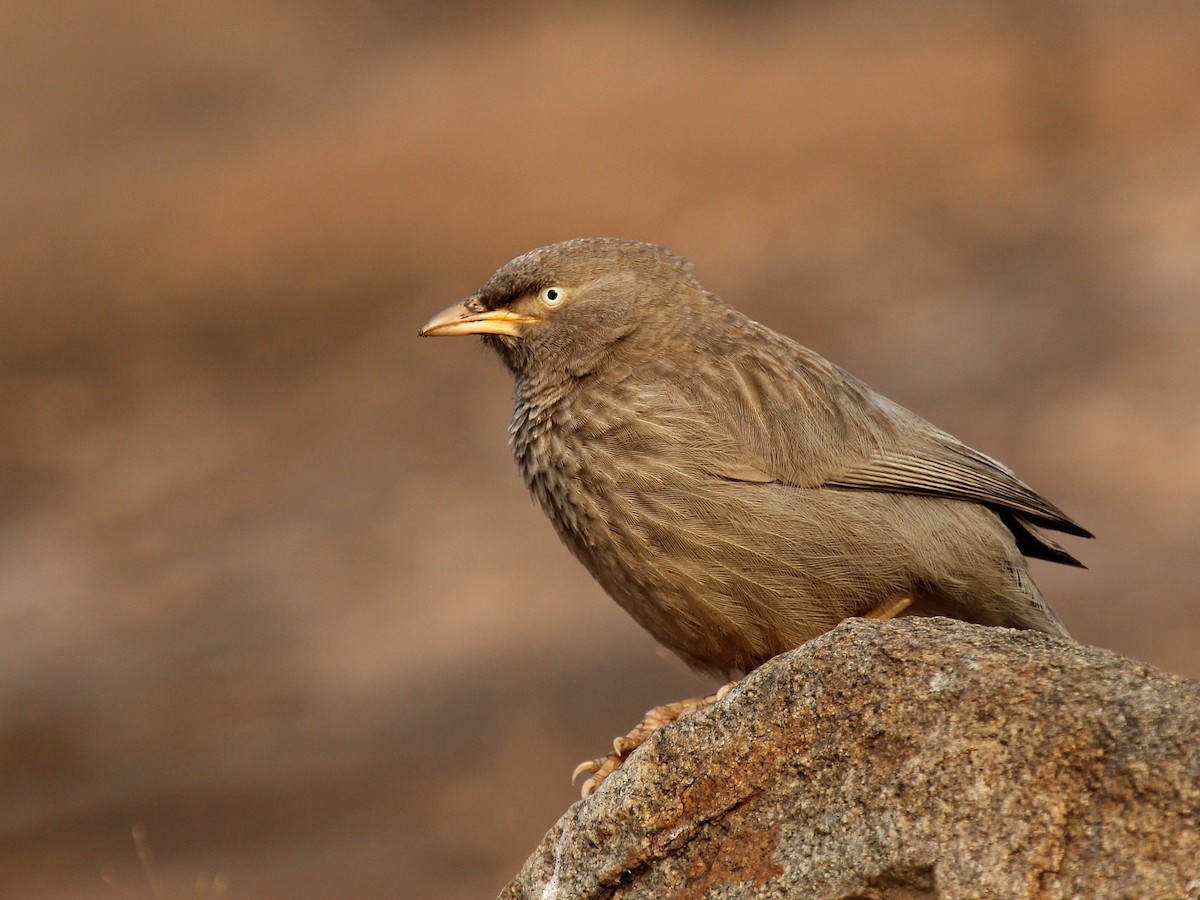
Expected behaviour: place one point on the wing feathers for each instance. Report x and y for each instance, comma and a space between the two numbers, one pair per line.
838, 433
965, 477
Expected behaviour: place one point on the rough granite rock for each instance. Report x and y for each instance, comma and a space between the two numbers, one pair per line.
912, 758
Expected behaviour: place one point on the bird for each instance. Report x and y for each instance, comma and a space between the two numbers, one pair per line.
734, 491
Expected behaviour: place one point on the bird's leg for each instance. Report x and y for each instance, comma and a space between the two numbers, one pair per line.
600, 769
889, 608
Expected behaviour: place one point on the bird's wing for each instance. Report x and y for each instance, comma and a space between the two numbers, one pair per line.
941, 466
810, 424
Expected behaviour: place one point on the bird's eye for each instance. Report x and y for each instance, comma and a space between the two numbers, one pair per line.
552, 296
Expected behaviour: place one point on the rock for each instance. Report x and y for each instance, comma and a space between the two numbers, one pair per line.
911, 758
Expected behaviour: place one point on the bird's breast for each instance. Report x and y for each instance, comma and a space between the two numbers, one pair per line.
575, 454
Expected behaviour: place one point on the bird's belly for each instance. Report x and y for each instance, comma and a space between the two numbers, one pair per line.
703, 568
711, 577
729, 574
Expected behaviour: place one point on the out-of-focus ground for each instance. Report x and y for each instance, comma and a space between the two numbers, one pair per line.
269, 584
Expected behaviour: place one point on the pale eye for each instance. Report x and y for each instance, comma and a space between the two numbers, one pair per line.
552, 296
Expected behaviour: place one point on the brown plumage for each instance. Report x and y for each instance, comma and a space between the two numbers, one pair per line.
735, 492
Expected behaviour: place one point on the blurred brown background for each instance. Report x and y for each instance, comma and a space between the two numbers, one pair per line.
269, 583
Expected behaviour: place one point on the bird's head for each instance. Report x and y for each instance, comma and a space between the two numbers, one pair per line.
569, 307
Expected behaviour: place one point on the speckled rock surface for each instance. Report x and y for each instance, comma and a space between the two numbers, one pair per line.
912, 758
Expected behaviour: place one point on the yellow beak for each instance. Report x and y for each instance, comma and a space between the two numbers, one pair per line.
467, 318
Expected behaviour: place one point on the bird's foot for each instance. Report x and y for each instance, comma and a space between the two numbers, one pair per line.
599, 769
888, 609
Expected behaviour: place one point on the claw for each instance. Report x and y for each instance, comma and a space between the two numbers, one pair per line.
599, 769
